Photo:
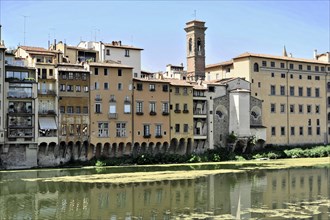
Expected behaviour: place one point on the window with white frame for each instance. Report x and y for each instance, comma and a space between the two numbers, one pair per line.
139, 107
127, 108
152, 106
97, 107
158, 130
103, 129
146, 130
121, 129
165, 107
112, 108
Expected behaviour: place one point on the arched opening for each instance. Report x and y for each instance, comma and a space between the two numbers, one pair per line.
121, 149
98, 150
173, 146
181, 148
70, 150
51, 148
189, 146
85, 149
256, 67
106, 150
157, 148
90, 152
143, 149
78, 150
42, 148
164, 147
62, 149
113, 150
128, 149
150, 148
136, 149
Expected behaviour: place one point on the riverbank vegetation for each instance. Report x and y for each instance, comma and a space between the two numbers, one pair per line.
215, 155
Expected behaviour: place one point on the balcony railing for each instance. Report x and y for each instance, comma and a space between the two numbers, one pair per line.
158, 136
20, 95
152, 113
113, 115
185, 111
147, 135
139, 113
177, 111
165, 113
25, 80
46, 92
47, 112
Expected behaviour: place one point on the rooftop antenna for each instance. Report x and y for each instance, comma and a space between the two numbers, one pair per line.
25, 16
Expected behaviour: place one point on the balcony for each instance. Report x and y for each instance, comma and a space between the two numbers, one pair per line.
186, 111
46, 112
158, 136
47, 92
165, 113
18, 80
98, 99
152, 113
147, 135
113, 115
20, 95
177, 111
139, 113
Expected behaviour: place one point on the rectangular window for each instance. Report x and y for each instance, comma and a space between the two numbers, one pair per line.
318, 131
282, 108
112, 108
78, 109
103, 129
98, 108
309, 92
63, 130
96, 71
185, 91
96, 85
282, 75
86, 89
291, 108
69, 109
272, 90
300, 90
301, 108
119, 72
152, 87
282, 90
106, 86
309, 109
120, 86
272, 108
309, 68
322, 68
85, 110
301, 130
272, 64
316, 69
62, 87
70, 75
139, 86
165, 107
105, 72
139, 107
317, 92
300, 67
108, 52
185, 128
152, 107
84, 76
317, 77
158, 130
146, 130
310, 131
282, 65
127, 108
273, 74
317, 109
69, 88
309, 77
71, 129
300, 76
259, 84
126, 52
62, 109
177, 90
291, 90
78, 88
292, 131
273, 131
165, 88
121, 129
291, 66
177, 128
264, 63
282, 131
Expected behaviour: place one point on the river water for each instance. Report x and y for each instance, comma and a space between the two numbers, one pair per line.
292, 193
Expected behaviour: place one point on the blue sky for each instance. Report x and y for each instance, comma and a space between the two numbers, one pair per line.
234, 27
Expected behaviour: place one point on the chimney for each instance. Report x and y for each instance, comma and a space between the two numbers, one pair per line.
120, 43
315, 54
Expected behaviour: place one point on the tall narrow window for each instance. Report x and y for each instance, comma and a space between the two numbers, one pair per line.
199, 46
190, 45
256, 67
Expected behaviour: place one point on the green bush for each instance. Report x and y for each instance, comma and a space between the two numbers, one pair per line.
100, 163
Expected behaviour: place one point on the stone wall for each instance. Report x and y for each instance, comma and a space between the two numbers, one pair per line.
220, 122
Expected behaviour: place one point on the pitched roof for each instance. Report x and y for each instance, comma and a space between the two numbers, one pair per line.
38, 50
122, 46
116, 65
225, 63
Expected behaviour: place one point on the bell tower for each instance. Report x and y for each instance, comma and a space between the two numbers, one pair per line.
195, 39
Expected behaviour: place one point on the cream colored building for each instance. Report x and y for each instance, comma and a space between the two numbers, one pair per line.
294, 92
110, 109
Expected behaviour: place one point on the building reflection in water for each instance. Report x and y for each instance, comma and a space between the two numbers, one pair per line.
215, 195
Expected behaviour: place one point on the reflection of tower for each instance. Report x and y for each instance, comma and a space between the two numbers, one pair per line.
195, 34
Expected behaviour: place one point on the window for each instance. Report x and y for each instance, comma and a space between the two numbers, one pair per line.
98, 108
96, 71
63, 130
71, 129
50, 72
264, 63
69, 88
185, 128
158, 130
185, 107
139, 107
120, 86
69, 109
165, 88
300, 67
300, 76
105, 72
62, 87
272, 64
291, 108
272, 90
84, 76
106, 86
291, 66
309, 68
127, 108
139, 86
301, 130
78, 109
301, 108
108, 51
119, 72
259, 84
282, 90
309, 131
272, 108
309, 77
70, 75
318, 131
78, 88
85, 88
256, 67
177, 128
273, 74
103, 129
300, 91
152, 87
96, 85
291, 90
309, 109
177, 108
292, 131
62, 109
282, 108
152, 107
282, 131
309, 92
78, 129
317, 92
185, 91
121, 129
282, 75
85, 110
317, 77
112, 108
273, 131
165, 107
282, 65
317, 69
146, 130
317, 109
177, 90
126, 52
